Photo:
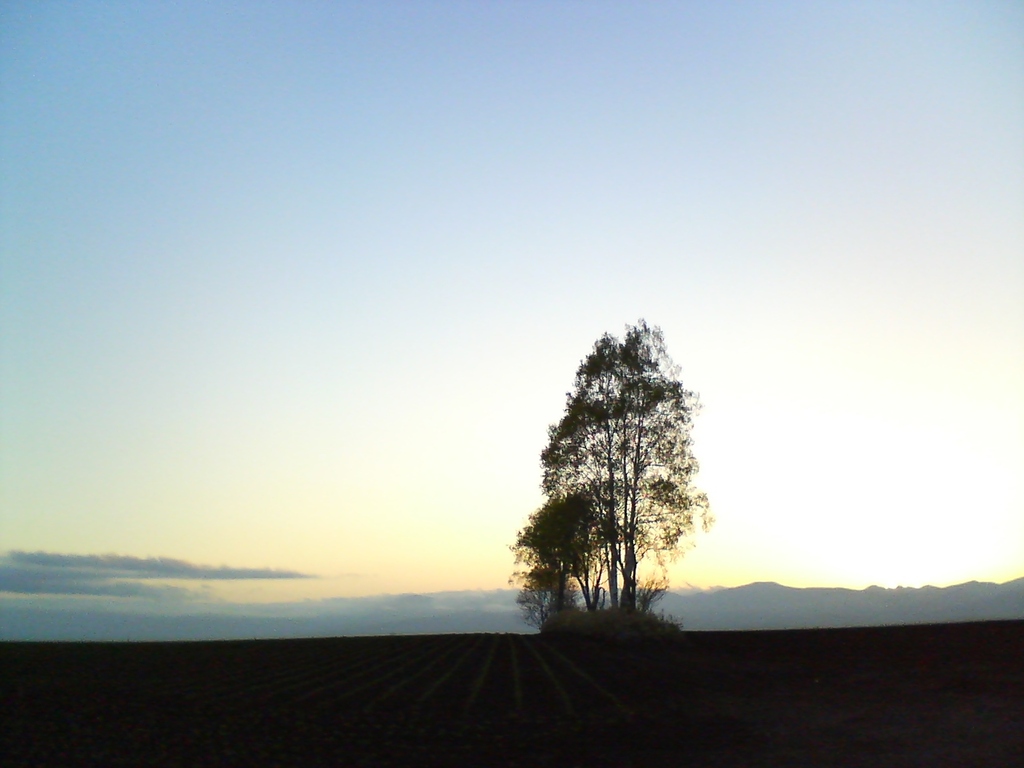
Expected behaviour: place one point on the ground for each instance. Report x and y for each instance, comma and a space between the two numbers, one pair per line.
938, 695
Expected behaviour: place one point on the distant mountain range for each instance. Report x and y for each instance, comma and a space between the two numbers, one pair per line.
766, 605
754, 606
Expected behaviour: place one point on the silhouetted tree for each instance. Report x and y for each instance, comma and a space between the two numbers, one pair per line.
562, 540
649, 592
539, 598
624, 444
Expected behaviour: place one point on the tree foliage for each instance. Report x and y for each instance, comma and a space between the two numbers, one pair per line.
624, 446
561, 545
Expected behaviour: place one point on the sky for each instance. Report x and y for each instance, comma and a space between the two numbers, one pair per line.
290, 292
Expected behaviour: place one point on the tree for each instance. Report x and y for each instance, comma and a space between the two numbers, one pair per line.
624, 444
561, 543
539, 599
649, 592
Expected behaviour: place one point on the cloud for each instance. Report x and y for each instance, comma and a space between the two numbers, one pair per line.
47, 573
28, 581
144, 567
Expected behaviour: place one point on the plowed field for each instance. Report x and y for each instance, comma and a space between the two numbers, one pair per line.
900, 696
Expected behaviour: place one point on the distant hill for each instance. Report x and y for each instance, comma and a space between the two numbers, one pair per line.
766, 605
763, 605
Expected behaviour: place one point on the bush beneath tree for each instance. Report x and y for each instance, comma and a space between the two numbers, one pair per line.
613, 623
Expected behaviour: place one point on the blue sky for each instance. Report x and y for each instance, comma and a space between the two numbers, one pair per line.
299, 286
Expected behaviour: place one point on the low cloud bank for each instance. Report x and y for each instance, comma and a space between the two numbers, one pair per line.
48, 573
755, 606
96, 618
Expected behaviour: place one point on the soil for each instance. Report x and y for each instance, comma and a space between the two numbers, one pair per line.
937, 695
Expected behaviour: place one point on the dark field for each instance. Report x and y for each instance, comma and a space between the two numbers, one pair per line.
939, 695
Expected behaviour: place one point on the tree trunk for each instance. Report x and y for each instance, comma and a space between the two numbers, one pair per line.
629, 578
613, 576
